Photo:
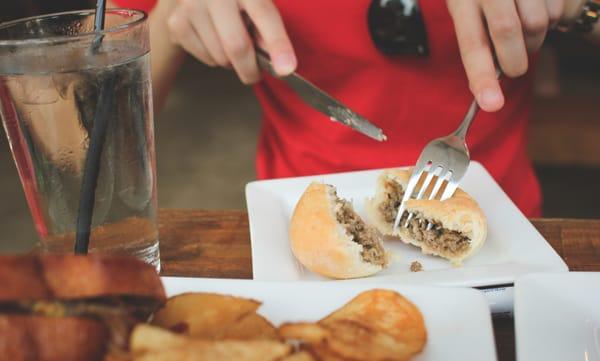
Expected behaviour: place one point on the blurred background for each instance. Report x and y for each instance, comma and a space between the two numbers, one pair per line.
206, 135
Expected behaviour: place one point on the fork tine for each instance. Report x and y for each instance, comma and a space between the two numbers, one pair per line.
450, 189
410, 187
438, 184
436, 189
430, 173
427, 181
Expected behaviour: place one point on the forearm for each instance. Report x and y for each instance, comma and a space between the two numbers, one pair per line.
166, 57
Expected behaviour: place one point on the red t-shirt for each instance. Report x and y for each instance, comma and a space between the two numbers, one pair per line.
412, 99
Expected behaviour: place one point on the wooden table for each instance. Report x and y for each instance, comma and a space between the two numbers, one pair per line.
217, 244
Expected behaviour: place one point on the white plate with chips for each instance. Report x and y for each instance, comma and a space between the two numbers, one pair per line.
458, 320
513, 246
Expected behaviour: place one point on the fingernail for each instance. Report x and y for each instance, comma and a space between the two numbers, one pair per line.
490, 99
284, 63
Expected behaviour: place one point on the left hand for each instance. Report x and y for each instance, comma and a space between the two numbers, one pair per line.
510, 29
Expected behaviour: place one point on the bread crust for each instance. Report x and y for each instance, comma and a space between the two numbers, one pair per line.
73, 277
459, 213
40, 338
320, 243
21, 278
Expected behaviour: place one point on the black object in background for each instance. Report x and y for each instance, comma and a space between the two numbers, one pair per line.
397, 27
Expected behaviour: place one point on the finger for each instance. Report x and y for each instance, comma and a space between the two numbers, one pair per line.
535, 21
476, 54
182, 33
507, 35
269, 25
234, 37
197, 12
555, 10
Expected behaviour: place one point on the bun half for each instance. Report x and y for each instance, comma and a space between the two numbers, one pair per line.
459, 225
329, 238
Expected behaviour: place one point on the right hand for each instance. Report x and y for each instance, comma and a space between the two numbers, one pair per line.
214, 31
504, 29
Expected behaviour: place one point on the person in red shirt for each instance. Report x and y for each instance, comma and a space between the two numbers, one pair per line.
412, 98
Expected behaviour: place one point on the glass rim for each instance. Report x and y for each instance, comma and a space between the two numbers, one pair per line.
139, 17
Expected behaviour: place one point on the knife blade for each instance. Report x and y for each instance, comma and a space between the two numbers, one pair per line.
322, 101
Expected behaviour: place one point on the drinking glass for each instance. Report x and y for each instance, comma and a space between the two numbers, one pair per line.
53, 71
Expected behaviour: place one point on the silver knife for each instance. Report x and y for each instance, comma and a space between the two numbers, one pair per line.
321, 101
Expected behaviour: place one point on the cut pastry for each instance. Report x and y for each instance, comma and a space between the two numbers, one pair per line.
459, 225
329, 238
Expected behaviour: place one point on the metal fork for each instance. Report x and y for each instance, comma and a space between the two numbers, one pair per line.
447, 159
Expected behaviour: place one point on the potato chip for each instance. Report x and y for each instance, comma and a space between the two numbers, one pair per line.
147, 338
299, 356
311, 333
199, 350
385, 312
150, 343
375, 325
252, 327
203, 315
322, 353
352, 340
341, 339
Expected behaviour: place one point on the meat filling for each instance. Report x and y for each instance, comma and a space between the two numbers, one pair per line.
394, 194
368, 237
439, 239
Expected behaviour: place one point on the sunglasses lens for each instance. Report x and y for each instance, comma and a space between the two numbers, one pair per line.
397, 27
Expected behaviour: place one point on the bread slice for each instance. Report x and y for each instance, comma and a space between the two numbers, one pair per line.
460, 227
329, 238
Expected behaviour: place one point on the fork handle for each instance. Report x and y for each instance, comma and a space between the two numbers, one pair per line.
461, 132
473, 109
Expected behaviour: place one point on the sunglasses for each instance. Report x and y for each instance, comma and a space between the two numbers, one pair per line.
397, 27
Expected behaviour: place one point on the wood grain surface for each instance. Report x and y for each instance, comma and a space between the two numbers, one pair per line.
197, 243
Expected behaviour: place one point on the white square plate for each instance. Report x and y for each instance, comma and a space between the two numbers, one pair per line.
513, 245
458, 328
557, 317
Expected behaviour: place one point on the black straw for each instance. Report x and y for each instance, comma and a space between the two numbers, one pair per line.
91, 169
99, 23
100, 15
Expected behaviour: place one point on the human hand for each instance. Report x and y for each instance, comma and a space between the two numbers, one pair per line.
215, 32
514, 28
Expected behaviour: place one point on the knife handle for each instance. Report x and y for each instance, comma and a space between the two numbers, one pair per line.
264, 61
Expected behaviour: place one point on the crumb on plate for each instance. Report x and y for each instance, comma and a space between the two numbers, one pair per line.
416, 266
